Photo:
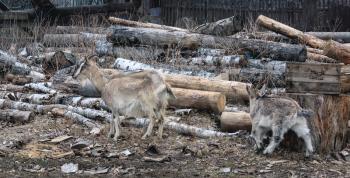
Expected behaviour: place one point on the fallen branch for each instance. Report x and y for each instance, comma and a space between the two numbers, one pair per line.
75, 117
223, 27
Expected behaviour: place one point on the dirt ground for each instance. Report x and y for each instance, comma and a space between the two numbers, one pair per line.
26, 151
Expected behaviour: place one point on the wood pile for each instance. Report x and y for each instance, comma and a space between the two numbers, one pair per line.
194, 62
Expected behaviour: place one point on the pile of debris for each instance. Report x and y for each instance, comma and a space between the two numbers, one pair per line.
206, 67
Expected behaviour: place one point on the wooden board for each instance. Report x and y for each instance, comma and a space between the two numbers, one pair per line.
317, 78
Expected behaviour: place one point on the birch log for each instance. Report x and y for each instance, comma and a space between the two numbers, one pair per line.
75, 117
9, 63
43, 87
180, 128
57, 61
130, 23
13, 115
142, 36
203, 100
331, 48
18, 79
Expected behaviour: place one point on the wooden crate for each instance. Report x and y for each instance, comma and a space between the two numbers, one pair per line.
317, 78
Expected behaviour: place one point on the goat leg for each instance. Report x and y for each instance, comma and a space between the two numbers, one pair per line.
150, 127
304, 132
161, 126
111, 128
117, 127
277, 137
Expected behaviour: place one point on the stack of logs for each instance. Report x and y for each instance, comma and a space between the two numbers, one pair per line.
181, 55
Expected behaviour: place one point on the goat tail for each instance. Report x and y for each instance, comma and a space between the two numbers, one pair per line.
306, 113
170, 92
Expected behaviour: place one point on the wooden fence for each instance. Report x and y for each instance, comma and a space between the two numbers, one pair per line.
308, 15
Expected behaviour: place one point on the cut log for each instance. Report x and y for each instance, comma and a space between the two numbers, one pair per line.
235, 92
329, 124
203, 100
331, 49
234, 121
142, 36
41, 109
69, 40
343, 37
79, 29
13, 88
58, 61
13, 115
320, 58
223, 27
130, 23
18, 79
181, 128
256, 76
9, 63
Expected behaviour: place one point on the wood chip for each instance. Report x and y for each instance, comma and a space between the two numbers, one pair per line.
60, 139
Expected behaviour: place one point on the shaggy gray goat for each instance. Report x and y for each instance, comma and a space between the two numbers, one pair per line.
277, 114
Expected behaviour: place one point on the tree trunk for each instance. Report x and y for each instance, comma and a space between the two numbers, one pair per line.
203, 100
72, 40
165, 39
331, 49
223, 27
235, 92
13, 88
329, 124
41, 87
130, 23
9, 63
79, 29
234, 121
13, 115
223, 61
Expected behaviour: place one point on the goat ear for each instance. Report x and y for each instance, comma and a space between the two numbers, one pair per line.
263, 90
78, 70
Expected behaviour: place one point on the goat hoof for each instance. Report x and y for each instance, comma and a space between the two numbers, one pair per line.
111, 135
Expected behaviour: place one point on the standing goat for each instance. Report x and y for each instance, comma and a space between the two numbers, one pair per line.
134, 94
277, 114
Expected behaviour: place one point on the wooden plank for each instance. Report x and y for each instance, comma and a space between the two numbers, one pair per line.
311, 77
301, 87
322, 69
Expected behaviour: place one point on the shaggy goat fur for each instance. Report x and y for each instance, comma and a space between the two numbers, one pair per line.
277, 114
132, 94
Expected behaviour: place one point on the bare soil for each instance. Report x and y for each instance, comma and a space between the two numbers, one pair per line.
26, 152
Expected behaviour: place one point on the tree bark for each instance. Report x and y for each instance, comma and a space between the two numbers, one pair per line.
234, 121
331, 49
222, 61
72, 40
41, 87
13, 115
203, 100
235, 92
142, 36
223, 27
75, 117
130, 23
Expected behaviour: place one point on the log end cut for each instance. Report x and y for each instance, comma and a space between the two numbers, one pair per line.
234, 121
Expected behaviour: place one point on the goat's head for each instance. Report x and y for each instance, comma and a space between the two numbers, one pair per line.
254, 92
86, 67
